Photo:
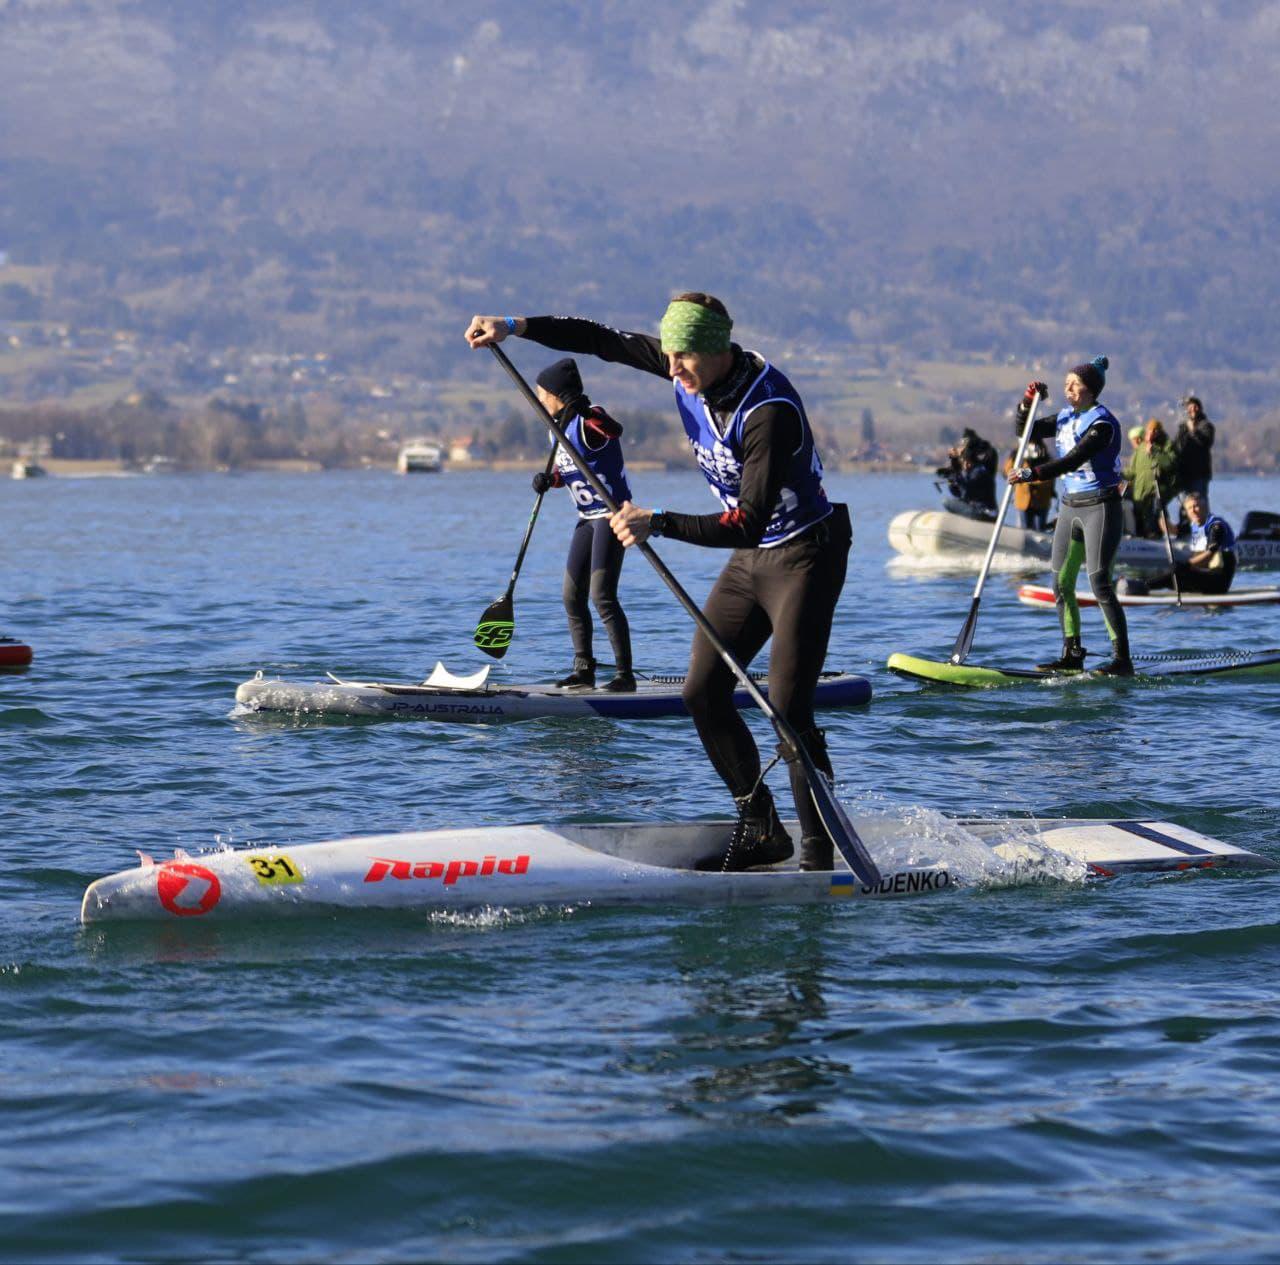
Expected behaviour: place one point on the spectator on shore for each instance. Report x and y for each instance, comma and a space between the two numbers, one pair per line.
1193, 445
1155, 466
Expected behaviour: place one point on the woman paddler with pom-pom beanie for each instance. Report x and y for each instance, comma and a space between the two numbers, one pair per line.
1090, 520
747, 426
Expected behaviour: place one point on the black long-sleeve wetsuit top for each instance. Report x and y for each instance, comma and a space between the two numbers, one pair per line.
1092, 442
771, 435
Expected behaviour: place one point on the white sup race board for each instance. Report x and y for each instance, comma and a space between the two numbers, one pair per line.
617, 864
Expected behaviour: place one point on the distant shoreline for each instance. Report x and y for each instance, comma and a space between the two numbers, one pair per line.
73, 468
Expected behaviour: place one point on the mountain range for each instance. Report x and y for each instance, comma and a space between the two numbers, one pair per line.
1003, 188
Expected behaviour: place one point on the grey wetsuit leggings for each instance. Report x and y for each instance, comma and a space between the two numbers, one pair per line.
1089, 534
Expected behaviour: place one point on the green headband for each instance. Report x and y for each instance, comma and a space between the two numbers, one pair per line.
691, 327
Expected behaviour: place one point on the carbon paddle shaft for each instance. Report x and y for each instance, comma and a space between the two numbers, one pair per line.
837, 822
497, 625
533, 518
1168, 541
964, 642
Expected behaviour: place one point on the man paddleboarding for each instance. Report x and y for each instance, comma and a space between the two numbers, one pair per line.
751, 437
1090, 518
595, 553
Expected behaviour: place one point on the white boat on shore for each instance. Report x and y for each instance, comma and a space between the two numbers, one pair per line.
422, 455
28, 468
609, 864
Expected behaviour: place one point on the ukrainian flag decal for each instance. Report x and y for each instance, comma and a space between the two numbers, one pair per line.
842, 884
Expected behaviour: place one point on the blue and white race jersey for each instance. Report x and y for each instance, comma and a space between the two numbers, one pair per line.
1200, 535
606, 464
1101, 471
801, 500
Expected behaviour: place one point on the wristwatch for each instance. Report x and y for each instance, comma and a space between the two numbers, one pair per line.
657, 523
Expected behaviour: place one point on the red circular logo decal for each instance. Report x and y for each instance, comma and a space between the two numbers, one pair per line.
187, 890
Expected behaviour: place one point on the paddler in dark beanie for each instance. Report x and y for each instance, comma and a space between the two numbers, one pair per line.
1090, 514
595, 553
750, 435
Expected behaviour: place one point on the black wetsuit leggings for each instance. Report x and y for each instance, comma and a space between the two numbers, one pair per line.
591, 571
789, 592
1089, 534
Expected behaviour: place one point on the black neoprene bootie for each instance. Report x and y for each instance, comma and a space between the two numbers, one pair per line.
583, 676
1118, 665
759, 838
817, 853
624, 682
1072, 659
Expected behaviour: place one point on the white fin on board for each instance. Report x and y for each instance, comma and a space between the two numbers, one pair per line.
441, 678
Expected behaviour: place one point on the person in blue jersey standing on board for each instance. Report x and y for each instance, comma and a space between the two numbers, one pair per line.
1090, 518
594, 563
751, 437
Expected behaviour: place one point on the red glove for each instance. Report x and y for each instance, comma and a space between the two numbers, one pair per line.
1035, 388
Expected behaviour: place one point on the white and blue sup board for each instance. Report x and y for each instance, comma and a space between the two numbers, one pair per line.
446, 697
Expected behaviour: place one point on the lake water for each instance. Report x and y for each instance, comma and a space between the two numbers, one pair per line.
1047, 1072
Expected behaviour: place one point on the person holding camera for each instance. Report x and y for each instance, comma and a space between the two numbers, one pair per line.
594, 563
971, 471
1194, 444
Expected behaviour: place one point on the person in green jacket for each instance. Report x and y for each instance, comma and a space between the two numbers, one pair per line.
1155, 468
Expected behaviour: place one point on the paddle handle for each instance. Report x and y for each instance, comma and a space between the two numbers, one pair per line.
852, 849
533, 519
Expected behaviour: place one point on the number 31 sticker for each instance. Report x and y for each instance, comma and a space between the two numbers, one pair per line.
275, 869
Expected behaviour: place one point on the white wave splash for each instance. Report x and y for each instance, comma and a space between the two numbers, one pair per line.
1008, 852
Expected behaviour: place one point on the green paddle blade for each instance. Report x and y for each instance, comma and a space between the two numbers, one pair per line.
496, 627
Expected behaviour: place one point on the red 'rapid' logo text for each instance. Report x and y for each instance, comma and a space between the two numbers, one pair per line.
449, 871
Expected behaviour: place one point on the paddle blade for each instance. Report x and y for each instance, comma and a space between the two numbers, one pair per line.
496, 627
839, 827
964, 642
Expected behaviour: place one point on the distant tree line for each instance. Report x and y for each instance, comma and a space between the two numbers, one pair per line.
220, 434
